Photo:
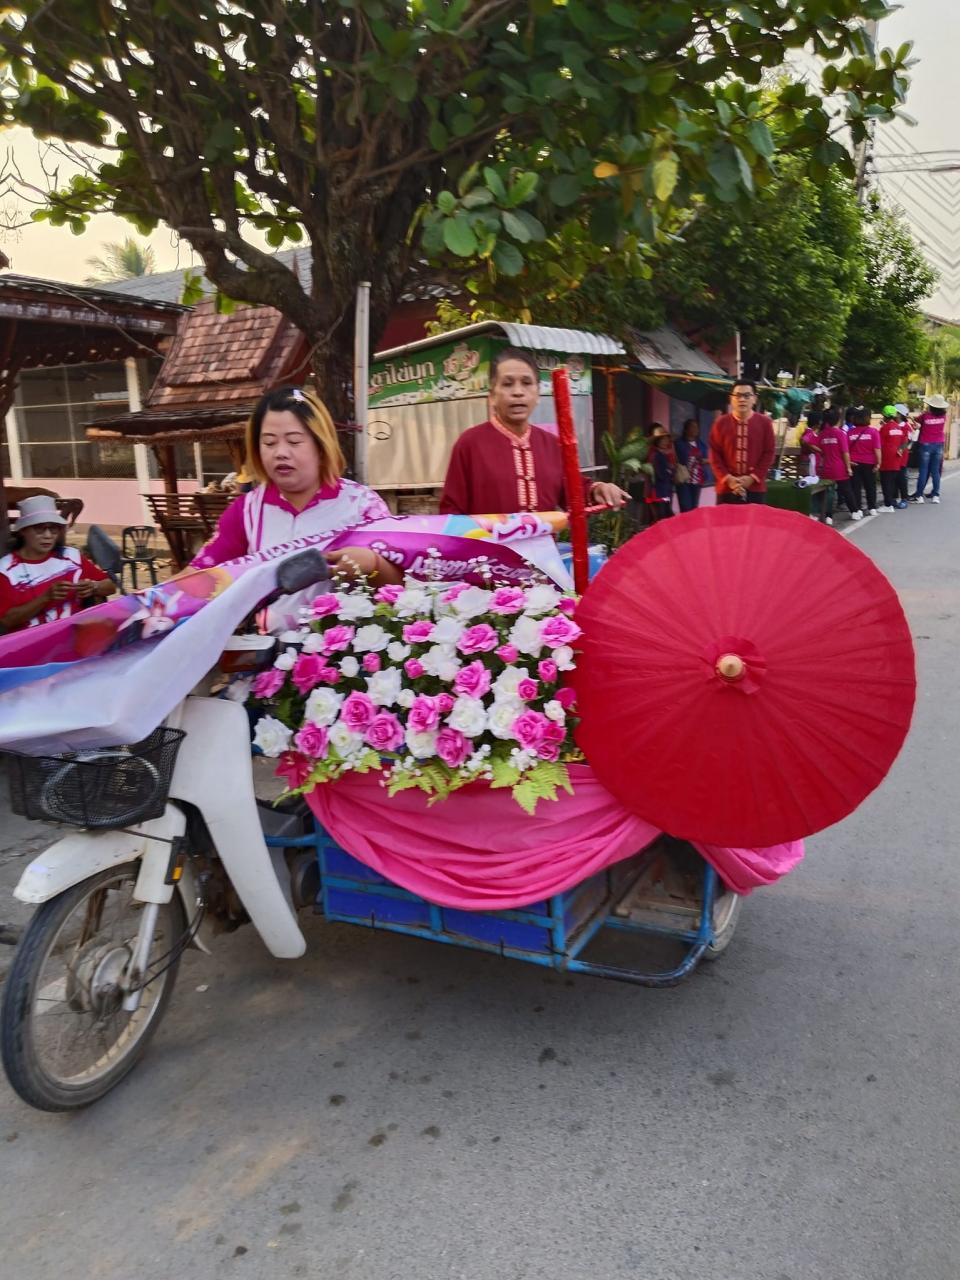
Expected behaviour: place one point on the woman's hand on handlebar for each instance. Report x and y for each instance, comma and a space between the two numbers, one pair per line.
362, 562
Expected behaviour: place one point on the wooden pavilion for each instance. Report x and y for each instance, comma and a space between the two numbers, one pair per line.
45, 323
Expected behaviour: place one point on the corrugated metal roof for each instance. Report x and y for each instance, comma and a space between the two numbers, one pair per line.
540, 337
534, 337
666, 350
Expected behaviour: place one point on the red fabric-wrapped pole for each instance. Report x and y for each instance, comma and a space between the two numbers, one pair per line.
572, 481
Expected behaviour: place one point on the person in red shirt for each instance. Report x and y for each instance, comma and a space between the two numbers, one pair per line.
41, 579
506, 464
894, 450
742, 446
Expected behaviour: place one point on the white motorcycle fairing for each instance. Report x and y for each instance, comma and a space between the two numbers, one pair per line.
213, 772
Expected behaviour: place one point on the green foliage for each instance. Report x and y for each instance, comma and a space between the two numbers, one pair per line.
885, 340
122, 261
542, 783
486, 127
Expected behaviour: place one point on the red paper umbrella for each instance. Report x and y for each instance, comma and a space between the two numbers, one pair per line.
747, 676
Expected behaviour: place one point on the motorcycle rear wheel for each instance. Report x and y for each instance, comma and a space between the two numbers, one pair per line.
65, 1039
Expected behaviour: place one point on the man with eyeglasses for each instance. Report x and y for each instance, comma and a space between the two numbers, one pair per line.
742, 447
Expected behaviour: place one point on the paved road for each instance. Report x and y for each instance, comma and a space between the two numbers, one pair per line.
387, 1109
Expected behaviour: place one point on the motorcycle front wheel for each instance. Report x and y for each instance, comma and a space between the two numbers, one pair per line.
65, 1037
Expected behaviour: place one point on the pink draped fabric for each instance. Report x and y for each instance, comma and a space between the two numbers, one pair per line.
478, 851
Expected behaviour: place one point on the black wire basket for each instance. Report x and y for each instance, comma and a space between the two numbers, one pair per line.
102, 787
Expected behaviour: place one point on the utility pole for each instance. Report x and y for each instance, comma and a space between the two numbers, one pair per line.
862, 154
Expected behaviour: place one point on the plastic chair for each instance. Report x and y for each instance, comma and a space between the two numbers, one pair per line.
103, 551
137, 544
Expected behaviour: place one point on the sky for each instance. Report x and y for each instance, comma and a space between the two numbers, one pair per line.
933, 26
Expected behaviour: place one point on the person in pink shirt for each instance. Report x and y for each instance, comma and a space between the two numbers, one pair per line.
828, 443
865, 455
933, 432
292, 450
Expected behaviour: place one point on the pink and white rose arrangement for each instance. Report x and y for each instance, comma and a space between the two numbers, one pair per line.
436, 685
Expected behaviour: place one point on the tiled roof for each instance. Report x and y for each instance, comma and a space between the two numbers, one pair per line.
226, 359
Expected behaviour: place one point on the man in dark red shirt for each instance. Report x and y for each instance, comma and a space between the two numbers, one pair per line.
506, 464
742, 446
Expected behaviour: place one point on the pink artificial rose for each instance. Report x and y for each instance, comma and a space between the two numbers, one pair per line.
307, 672
424, 714
527, 689
371, 663
479, 639
312, 740
329, 675
384, 732
529, 729
547, 671
567, 605
553, 732
388, 594
294, 768
558, 631
357, 712
338, 638
413, 668
457, 589
445, 703
267, 683
452, 747
507, 600
472, 679
567, 697
418, 632
323, 606
509, 653
549, 751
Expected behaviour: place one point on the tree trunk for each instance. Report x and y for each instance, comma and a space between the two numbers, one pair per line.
331, 368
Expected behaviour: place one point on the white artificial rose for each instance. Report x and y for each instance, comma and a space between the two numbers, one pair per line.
468, 715
384, 687
411, 601
271, 736
353, 605
554, 711
349, 666
541, 599
507, 682
314, 642
343, 741
448, 630
292, 637
286, 660
501, 716
564, 658
396, 651
441, 660
525, 635
421, 744
371, 639
323, 707
406, 698
472, 602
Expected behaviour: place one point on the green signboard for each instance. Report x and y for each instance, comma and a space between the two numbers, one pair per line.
461, 370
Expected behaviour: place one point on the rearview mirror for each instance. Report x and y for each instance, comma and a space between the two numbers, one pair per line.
303, 570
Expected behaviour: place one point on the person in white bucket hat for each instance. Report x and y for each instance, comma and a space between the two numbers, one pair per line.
42, 579
933, 433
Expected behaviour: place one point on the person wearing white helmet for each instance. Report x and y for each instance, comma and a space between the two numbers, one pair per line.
933, 433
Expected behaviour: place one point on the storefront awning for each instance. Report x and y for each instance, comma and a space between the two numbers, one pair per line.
706, 391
